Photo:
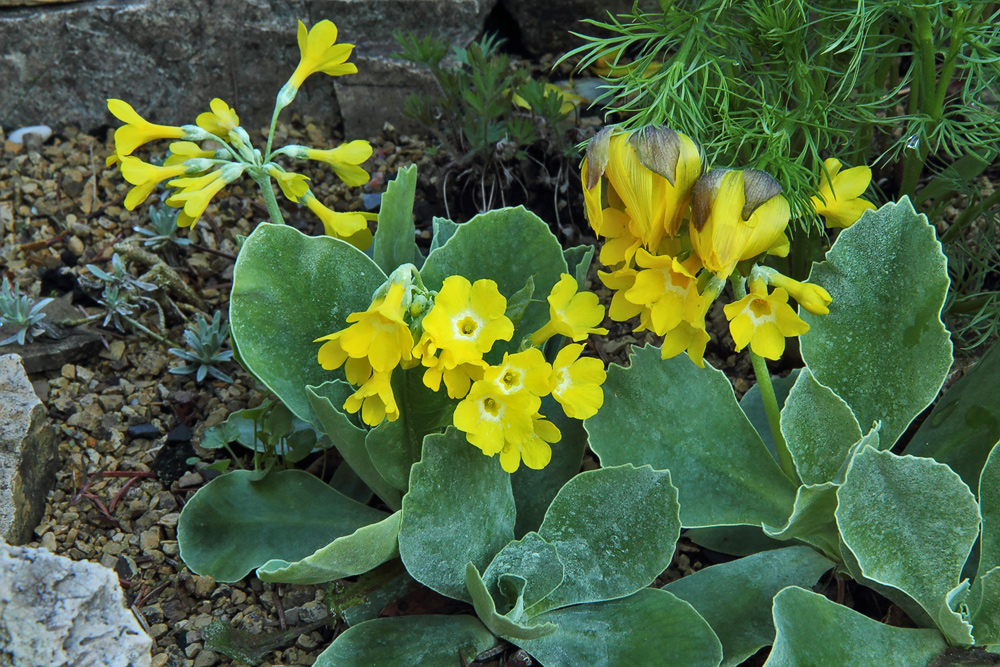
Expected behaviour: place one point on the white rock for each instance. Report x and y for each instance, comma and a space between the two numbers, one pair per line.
17, 136
62, 613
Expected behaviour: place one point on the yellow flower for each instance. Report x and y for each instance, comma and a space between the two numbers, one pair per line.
220, 120
351, 226
523, 371
736, 215
138, 131
457, 380
663, 286
621, 280
572, 314
375, 400
813, 298
466, 320
195, 193
332, 356
620, 240
145, 177
319, 52
380, 333
569, 99
489, 417
763, 321
344, 160
839, 200
292, 185
182, 151
576, 383
534, 450
649, 175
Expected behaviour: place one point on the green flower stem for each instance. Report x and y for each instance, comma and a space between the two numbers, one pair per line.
769, 399
145, 329
270, 132
264, 182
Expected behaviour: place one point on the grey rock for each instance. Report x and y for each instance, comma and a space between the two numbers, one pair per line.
169, 58
62, 613
545, 27
45, 353
29, 454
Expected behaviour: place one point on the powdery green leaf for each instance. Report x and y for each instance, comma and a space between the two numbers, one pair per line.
443, 229
986, 615
326, 401
535, 561
288, 290
911, 524
812, 519
674, 416
812, 630
989, 509
733, 540
753, 406
459, 509
883, 347
578, 259
651, 627
347, 556
232, 524
615, 530
965, 424
428, 641
513, 625
735, 597
819, 428
395, 240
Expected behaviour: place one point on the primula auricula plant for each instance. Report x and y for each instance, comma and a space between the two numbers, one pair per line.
198, 170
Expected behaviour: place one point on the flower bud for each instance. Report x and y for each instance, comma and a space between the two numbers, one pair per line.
813, 298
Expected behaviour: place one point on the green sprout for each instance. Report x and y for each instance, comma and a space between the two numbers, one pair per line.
206, 339
20, 311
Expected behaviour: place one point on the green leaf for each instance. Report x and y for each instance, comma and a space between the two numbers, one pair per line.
989, 509
883, 347
733, 540
459, 509
507, 246
232, 525
288, 290
395, 237
535, 561
753, 406
375, 591
820, 429
428, 641
986, 615
535, 489
651, 627
965, 424
519, 300
735, 597
443, 229
348, 438
675, 416
812, 519
515, 625
347, 556
578, 259
911, 524
395, 446
615, 530
812, 630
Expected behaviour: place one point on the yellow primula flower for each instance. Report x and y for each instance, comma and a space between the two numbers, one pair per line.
620, 240
534, 450
195, 193
220, 120
813, 298
466, 320
332, 356
138, 131
375, 400
736, 215
576, 383
319, 52
763, 321
351, 226
292, 185
489, 417
620, 280
572, 314
182, 151
380, 333
344, 159
569, 99
663, 285
145, 177
839, 200
523, 371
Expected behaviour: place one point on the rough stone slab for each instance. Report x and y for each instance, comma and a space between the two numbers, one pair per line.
45, 354
29, 455
169, 58
548, 30
381, 83
62, 613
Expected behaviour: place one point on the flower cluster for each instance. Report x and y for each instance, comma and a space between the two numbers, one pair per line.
674, 233
215, 151
449, 333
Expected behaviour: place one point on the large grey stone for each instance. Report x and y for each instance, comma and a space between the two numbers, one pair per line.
29, 456
55, 612
545, 26
169, 58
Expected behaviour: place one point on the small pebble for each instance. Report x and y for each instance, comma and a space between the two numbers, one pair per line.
145, 430
19, 135
75, 245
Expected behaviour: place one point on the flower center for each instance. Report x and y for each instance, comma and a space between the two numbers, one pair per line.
760, 308
511, 379
491, 406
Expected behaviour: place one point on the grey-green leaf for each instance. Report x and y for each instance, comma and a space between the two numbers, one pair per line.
578, 259
428, 641
443, 229
986, 615
675, 416
989, 509
288, 290
883, 347
532, 558
615, 530
812, 520
395, 239
735, 597
459, 509
819, 428
812, 630
347, 556
514, 625
911, 524
651, 627
232, 525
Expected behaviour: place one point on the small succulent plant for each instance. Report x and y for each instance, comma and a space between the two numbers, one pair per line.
164, 229
123, 294
206, 339
20, 311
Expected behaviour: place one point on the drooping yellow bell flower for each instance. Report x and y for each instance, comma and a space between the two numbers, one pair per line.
572, 314
319, 52
736, 215
763, 320
839, 200
344, 160
350, 226
138, 131
663, 285
568, 99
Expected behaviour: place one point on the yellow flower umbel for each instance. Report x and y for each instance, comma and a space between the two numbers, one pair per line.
839, 200
318, 52
576, 383
763, 320
737, 215
137, 131
572, 314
